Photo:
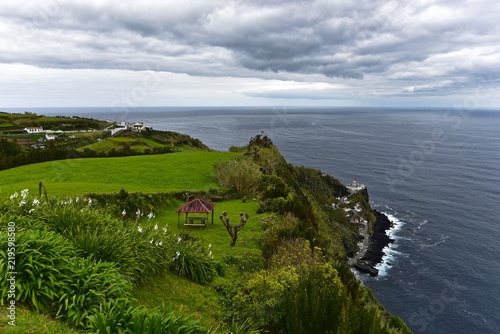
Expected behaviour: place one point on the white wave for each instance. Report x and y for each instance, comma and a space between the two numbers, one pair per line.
396, 225
390, 253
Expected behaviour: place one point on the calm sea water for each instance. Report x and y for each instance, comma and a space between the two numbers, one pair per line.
436, 173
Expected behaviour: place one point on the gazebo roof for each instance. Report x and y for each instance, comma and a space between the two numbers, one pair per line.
197, 205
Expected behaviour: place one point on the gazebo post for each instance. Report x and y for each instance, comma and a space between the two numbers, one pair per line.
178, 219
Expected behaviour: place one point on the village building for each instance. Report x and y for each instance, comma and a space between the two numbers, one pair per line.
38, 129
138, 127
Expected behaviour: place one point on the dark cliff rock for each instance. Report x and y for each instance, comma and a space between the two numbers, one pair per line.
378, 241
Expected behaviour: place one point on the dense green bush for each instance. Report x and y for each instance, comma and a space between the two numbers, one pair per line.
240, 174
91, 283
117, 316
43, 265
193, 261
137, 251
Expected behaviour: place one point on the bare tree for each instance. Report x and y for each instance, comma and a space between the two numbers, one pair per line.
233, 230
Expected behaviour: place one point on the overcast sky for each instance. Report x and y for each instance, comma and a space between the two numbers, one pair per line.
248, 53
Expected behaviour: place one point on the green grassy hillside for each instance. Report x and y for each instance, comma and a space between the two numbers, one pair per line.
127, 256
117, 143
186, 171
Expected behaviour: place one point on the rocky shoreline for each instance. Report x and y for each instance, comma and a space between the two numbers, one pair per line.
378, 241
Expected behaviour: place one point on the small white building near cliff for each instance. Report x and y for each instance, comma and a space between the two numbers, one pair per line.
355, 186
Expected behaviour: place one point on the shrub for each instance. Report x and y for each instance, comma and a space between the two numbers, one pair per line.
113, 316
276, 229
152, 251
138, 252
240, 174
117, 316
43, 264
91, 283
262, 296
192, 261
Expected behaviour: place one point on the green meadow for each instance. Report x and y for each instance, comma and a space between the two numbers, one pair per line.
117, 143
184, 171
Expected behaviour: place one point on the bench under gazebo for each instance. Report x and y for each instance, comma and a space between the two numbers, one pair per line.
198, 206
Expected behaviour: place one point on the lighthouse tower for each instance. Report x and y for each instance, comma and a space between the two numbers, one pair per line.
354, 186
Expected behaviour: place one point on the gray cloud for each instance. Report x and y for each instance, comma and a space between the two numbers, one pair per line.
390, 42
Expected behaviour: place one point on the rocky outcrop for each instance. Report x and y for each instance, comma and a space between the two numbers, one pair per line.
378, 241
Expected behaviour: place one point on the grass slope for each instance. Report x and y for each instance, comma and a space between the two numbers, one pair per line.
117, 143
185, 171
194, 298
31, 322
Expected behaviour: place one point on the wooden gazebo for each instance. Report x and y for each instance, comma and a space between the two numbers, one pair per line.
197, 205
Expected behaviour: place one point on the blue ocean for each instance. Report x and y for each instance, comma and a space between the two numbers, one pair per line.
434, 172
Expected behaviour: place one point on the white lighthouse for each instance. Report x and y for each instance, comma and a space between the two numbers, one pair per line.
355, 186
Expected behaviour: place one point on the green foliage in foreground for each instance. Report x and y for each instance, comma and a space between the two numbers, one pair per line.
79, 265
184, 171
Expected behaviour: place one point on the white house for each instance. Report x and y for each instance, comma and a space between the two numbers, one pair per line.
50, 137
139, 126
34, 129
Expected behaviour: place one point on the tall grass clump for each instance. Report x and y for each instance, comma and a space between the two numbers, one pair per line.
138, 252
91, 283
43, 263
117, 316
191, 260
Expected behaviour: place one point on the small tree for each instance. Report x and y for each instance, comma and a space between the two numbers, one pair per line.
240, 174
233, 230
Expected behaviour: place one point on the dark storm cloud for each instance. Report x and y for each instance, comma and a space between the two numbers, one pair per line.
394, 40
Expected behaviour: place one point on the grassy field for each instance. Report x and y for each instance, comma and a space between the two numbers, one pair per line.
185, 171
117, 143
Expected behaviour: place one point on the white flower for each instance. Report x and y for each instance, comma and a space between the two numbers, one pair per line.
156, 226
161, 243
14, 195
151, 241
24, 193
31, 210
210, 253
90, 201
124, 212
139, 229
138, 213
209, 245
36, 202
77, 199
177, 254
22, 202
179, 239
151, 215
164, 230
